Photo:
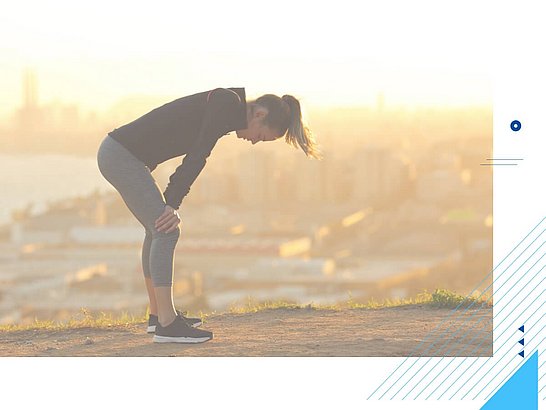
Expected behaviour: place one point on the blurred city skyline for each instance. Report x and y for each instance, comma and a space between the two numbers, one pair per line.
95, 55
58, 126
399, 87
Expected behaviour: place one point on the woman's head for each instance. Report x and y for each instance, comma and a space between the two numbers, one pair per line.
271, 117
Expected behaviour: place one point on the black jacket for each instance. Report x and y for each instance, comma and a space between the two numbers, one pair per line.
189, 125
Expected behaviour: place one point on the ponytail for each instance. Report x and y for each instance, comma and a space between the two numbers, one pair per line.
284, 115
298, 132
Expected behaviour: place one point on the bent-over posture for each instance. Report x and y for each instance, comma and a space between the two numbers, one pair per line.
189, 126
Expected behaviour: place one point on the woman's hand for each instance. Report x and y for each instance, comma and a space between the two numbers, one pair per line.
168, 221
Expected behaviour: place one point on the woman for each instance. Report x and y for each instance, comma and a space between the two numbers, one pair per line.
189, 125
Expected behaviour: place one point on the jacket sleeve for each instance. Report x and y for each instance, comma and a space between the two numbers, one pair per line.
221, 105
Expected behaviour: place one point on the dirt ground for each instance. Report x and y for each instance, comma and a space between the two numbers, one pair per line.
395, 331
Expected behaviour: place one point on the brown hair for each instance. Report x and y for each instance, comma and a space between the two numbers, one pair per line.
284, 115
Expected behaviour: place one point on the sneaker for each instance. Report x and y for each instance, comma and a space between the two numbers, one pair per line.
180, 332
153, 320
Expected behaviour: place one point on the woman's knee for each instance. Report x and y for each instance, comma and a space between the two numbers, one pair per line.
173, 234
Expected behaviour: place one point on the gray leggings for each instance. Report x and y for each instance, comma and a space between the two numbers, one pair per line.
139, 190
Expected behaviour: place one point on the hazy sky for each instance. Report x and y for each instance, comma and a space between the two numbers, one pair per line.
94, 53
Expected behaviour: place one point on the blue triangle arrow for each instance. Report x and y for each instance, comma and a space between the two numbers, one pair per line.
522, 328
522, 353
520, 391
522, 342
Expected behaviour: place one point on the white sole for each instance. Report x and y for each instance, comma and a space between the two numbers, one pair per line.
173, 339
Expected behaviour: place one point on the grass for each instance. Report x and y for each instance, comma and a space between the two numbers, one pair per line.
86, 319
440, 298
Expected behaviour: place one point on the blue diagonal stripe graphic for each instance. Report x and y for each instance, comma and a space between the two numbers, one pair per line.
460, 351
442, 383
498, 358
517, 318
470, 307
448, 340
454, 311
476, 359
493, 378
511, 324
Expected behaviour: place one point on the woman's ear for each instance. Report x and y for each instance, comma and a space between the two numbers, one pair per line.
260, 112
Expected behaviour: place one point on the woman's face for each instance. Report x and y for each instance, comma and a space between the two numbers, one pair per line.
256, 130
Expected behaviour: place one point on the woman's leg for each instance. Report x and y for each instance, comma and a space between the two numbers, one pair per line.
165, 305
146, 245
151, 295
139, 191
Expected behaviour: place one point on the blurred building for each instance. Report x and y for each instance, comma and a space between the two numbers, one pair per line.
439, 186
378, 173
258, 177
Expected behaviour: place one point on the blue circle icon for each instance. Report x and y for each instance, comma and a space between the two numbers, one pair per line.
515, 125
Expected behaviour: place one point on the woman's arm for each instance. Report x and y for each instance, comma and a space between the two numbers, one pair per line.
221, 105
